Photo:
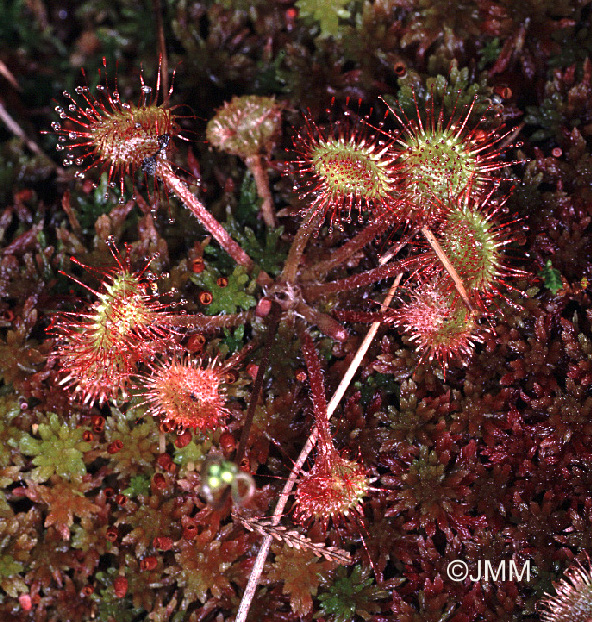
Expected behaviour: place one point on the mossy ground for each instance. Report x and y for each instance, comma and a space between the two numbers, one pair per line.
490, 461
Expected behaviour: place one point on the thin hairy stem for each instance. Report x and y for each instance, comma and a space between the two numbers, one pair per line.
274, 320
257, 569
257, 167
198, 209
353, 367
164, 59
312, 292
345, 252
209, 323
317, 385
309, 225
325, 323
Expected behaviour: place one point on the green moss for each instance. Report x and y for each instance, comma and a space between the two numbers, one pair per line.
327, 13
351, 594
139, 486
230, 295
194, 452
60, 450
10, 580
551, 277
139, 442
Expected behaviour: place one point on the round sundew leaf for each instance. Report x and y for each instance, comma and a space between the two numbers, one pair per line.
332, 490
470, 242
246, 126
186, 395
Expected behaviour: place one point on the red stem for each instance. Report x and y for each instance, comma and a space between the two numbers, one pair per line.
325, 323
256, 165
343, 253
312, 292
317, 388
209, 323
197, 208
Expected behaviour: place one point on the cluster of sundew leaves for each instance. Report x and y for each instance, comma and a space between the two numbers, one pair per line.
185, 393
119, 137
468, 241
245, 126
342, 168
572, 601
333, 489
100, 348
444, 162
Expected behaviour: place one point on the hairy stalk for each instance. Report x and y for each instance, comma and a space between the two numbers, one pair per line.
312, 292
307, 228
316, 383
238, 357
460, 288
325, 323
343, 253
353, 367
197, 208
274, 320
256, 165
209, 323
251, 586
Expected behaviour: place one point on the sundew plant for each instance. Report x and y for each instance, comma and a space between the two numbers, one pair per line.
295, 314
